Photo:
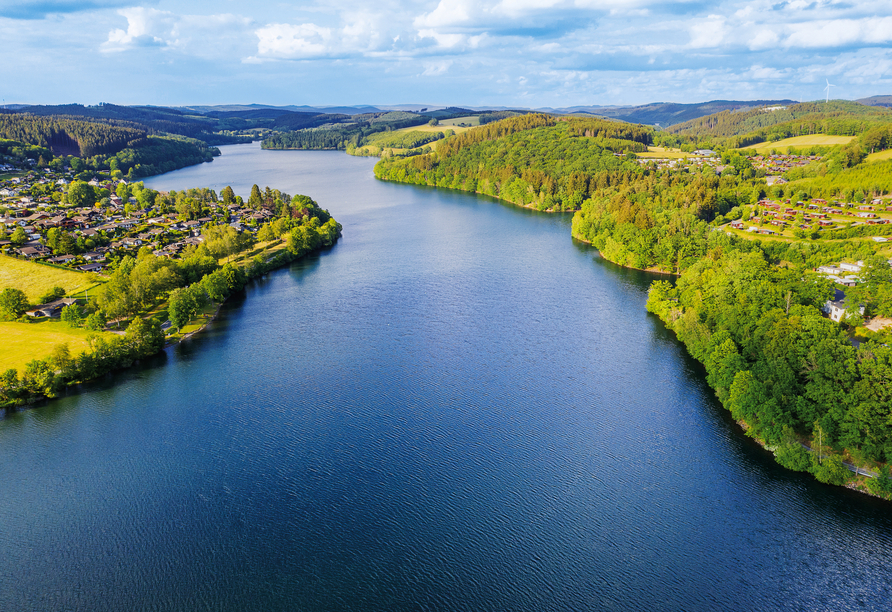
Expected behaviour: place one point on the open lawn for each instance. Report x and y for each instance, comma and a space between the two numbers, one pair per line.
468, 121
781, 146
879, 156
23, 342
36, 279
663, 153
436, 128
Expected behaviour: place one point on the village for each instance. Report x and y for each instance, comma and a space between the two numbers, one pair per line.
94, 237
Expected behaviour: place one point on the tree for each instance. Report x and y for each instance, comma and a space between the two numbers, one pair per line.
72, 315
96, 321
228, 196
256, 199
19, 237
13, 304
52, 295
266, 233
81, 194
434, 122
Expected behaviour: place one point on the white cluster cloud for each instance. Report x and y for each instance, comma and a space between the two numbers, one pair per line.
199, 35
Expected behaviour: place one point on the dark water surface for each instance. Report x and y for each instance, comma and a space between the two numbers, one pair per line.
456, 408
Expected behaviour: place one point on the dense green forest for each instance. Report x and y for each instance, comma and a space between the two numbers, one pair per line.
743, 128
530, 160
340, 133
98, 146
81, 138
158, 121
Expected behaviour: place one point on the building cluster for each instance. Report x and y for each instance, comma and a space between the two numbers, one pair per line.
102, 233
780, 164
816, 214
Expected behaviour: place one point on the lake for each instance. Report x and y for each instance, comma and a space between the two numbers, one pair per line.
455, 408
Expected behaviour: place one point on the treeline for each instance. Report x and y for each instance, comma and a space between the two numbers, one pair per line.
157, 155
736, 129
790, 374
399, 140
834, 117
22, 150
157, 121
49, 377
528, 160
339, 131
84, 138
602, 128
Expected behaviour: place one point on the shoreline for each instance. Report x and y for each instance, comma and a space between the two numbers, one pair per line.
653, 270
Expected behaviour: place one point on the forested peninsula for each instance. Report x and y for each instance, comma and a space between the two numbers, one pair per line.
749, 296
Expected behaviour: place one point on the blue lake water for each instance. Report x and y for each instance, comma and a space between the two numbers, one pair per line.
455, 408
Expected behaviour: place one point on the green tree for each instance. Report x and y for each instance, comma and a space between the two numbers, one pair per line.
228, 196
52, 295
13, 304
19, 237
81, 194
72, 315
96, 321
256, 198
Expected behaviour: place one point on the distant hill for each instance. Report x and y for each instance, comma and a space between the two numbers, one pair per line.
665, 114
331, 110
876, 101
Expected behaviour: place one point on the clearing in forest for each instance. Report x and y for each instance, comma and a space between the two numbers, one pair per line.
36, 279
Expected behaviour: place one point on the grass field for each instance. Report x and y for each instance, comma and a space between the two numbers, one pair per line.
763, 148
436, 128
468, 121
23, 342
36, 280
880, 156
663, 153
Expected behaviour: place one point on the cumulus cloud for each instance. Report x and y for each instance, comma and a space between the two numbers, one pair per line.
284, 41
199, 35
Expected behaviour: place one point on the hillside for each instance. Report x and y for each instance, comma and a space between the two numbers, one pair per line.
837, 117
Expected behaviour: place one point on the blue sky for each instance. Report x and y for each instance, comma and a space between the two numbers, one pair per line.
529, 53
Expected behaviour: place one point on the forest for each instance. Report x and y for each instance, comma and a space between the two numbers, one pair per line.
743, 128
69, 136
90, 146
342, 131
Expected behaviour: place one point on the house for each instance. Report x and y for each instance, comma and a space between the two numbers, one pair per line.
838, 307
738, 224
91, 267
30, 252
851, 267
51, 309
61, 259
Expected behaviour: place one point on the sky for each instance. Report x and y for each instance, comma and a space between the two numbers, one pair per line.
514, 53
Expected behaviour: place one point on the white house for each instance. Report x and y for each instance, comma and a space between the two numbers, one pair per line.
838, 307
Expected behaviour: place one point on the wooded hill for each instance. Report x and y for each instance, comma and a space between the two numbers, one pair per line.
533, 160
740, 129
100, 144
69, 136
156, 121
